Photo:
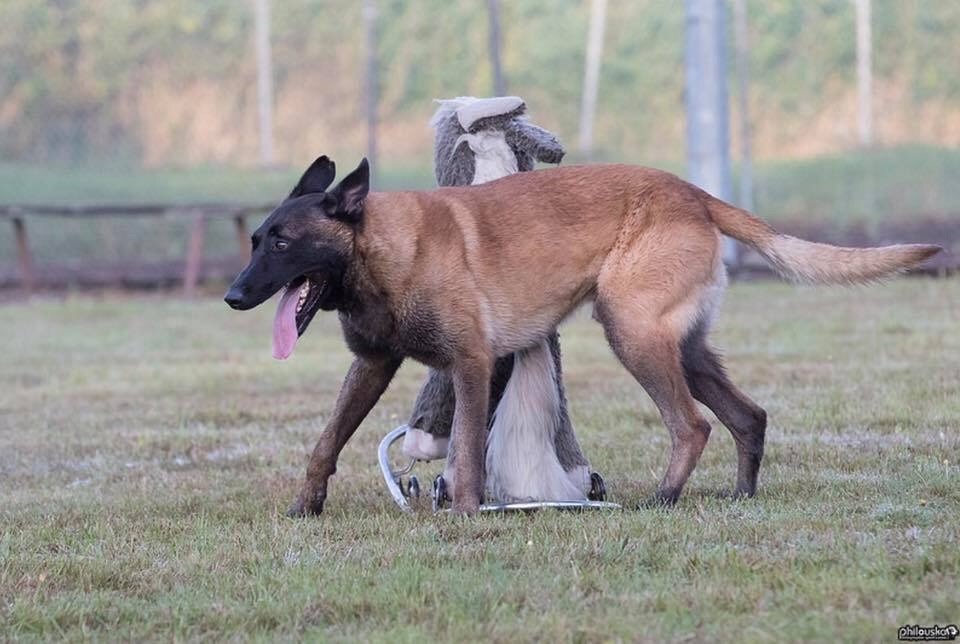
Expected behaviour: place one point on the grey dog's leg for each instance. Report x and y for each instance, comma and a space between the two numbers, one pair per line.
428, 432
568, 449
502, 369
432, 415
433, 410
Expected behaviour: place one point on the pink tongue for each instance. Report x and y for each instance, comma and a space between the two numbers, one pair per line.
285, 324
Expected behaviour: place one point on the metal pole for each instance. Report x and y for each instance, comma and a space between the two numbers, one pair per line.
371, 84
864, 74
708, 139
591, 75
499, 82
742, 44
264, 81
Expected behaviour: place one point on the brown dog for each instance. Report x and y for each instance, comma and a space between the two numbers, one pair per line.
456, 277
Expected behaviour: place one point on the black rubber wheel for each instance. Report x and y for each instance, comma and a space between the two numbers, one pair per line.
413, 488
598, 489
440, 497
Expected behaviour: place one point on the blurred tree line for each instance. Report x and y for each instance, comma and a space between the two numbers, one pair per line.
165, 82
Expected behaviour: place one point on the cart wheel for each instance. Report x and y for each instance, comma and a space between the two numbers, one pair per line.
440, 497
413, 488
598, 489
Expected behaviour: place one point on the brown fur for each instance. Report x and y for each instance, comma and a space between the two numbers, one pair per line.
491, 269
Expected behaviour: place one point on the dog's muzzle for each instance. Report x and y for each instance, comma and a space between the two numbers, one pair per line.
234, 298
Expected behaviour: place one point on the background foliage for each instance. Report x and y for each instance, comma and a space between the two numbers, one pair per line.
173, 82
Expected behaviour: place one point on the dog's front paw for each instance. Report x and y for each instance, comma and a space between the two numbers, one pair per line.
306, 505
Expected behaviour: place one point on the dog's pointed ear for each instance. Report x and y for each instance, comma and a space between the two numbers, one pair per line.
351, 192
317, 178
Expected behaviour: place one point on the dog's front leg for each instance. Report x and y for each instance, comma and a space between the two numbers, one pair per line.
471, 386
365, 382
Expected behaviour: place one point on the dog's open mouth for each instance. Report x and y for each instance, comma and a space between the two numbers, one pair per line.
299, 302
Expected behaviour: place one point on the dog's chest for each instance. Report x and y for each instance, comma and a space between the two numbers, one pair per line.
421, 335
413, 332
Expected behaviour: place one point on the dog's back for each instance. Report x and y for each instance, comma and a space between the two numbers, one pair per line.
529, 247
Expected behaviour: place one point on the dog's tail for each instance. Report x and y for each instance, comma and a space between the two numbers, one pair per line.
804, 261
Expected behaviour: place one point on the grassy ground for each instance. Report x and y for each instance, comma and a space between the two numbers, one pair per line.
148, 445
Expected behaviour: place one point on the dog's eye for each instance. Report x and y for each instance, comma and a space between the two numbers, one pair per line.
281, 244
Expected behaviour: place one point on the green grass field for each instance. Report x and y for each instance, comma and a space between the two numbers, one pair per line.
148, 446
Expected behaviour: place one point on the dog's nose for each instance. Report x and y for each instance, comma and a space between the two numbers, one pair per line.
234, 298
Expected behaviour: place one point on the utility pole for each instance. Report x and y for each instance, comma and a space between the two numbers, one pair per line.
264, 80
371, 83
864, 74
742, 46
494, 45
591, 75
708, 139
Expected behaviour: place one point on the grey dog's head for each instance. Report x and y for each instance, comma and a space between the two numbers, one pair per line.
454, 160
459, 124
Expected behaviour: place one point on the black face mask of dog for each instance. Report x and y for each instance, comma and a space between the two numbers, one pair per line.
303, 248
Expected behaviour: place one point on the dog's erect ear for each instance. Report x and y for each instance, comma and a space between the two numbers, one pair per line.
317, 178
351, 192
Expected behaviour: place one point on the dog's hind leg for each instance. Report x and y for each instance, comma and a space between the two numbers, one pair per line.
651, 353
746, 420
650, 294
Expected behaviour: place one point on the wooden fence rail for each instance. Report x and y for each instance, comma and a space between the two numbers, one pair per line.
199, 214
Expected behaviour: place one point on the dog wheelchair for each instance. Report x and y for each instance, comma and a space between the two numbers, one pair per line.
404, 491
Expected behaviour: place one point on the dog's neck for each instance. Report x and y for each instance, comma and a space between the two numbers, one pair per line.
382, 256
368, 306
384, 312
